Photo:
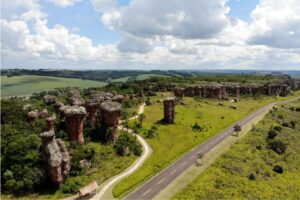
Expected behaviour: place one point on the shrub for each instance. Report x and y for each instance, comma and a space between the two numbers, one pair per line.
251, 176
272, 134
277, 128
278, 169
277, 146
293, 124
71, 186
151, 133
127, 140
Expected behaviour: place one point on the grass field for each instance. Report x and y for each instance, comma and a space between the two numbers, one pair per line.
146, 76
246, 171
176, 139
25, 85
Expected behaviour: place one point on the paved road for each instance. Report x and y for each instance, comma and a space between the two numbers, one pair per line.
151, 188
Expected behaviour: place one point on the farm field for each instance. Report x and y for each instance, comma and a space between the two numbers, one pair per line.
263, 171
25, 85
167, 148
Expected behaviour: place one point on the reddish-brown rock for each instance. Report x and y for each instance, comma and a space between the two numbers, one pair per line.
110, 113
56, 157
118, 98
169, 109
50, 99
51, 122
178, 92
33, 115
75, 116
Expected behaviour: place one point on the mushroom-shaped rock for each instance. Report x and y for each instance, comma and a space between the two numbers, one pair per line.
55, 156
178, 92
43, 113
74, 121
62, 110
50, 99
27, 107
51, 122
92, 106
57, 105
109, 94
169, 109
76, 100
118, 98
110, 113
33, 115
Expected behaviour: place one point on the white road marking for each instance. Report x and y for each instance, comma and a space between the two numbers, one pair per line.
172, 172
147, 192
183, 164
161, 180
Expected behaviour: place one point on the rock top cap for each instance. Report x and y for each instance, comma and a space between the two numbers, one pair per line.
169, 99
111, 106
75, 110
47, 135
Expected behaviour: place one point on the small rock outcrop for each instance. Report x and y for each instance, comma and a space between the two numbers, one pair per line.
56, 157
50, 99
43, 113
118, 98
51, 122
169, 109
75, 116
32, 116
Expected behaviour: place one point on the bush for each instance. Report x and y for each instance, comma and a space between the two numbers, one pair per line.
272, 134
277, 146
277, 128
70, 186
127, 140
151, 133
278, 169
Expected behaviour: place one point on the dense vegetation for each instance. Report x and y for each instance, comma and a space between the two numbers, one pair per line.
263, 165
22, 170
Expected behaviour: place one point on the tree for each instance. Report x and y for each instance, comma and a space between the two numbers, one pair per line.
237, 128
141, 118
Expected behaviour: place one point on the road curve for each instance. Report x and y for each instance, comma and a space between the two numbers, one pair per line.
137, 164
152, 187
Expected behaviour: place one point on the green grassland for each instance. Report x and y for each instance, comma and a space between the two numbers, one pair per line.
178, 138
146, 76
25, 85
246, 171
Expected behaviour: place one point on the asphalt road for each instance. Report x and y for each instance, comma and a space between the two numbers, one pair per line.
152, 187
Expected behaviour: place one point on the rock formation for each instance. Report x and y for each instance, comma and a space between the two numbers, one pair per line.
50, 99
51, 122
43, 113
33, 115
118, 98
110, 113
56, 157
92, 106
169, 109
178, 92
75, 98
74, 122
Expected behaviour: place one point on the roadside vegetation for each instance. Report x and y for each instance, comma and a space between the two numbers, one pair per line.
196, 120
263, 165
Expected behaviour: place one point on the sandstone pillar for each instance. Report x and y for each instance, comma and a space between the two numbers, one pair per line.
56, 157
169, 109
74, 121
51, 122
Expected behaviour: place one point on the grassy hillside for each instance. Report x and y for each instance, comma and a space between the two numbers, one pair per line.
24, 85
259, 166
176, 139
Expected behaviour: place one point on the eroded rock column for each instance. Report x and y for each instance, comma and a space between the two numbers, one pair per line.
169, 109
75, 116
56, 157
51, 122
110, 115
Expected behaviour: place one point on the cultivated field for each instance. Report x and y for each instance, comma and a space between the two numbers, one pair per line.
25, 85
176, 139
263, 165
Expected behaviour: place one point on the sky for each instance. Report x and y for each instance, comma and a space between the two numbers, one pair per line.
150, 34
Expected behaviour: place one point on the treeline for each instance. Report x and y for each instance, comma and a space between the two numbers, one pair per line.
97, 75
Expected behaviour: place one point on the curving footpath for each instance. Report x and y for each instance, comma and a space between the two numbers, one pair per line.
106, 188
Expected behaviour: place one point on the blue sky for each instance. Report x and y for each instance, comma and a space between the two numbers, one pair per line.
149, 34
